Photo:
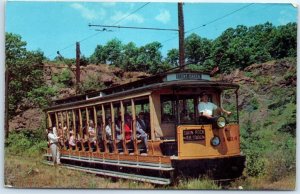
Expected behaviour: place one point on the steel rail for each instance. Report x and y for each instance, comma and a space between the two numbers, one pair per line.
142, 178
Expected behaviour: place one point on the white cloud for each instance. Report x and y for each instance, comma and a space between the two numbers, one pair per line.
285, 17
164, 16
87, 13
131, 18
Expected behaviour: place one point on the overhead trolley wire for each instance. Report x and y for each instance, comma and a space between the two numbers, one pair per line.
210, 22
130, 14
88, 37
217, 19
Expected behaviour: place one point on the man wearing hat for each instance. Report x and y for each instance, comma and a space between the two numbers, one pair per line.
53, 141
206, 108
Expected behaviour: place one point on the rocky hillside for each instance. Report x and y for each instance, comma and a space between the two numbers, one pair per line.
263, 87
62, 78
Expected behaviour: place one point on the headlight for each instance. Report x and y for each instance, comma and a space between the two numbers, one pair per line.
215, 141
221, 122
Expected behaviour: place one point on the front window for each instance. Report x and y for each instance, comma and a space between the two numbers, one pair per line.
168, 107
179, 109
183, 109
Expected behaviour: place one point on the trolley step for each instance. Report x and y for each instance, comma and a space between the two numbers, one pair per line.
142, 178
120, 163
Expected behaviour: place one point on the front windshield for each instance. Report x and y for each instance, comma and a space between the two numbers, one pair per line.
183, 109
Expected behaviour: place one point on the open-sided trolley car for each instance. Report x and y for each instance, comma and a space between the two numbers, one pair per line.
179, 143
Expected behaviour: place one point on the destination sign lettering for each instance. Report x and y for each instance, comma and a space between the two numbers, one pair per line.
194, 135
188, 76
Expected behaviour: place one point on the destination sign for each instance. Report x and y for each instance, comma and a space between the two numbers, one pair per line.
187, 76
194, 135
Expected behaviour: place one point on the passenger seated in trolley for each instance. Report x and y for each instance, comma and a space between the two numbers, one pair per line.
118, 133
85, 139
66, 135
118, 129
206, 108
92, 134
72, 142
99, 135
109, 133
140, 130
127, 127
184, 116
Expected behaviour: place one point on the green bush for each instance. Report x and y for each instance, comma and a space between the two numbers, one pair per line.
26, 143
281, 158
63, 79
92, 83
41, 96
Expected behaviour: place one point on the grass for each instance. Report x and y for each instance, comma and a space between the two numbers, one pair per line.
287, 183
29, 172
25, 172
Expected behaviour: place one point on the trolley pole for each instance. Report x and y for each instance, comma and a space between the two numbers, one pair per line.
77, 66
181, 36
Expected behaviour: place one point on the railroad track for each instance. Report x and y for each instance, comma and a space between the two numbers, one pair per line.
109, 173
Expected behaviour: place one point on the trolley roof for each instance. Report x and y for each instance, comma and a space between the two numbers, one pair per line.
174, 80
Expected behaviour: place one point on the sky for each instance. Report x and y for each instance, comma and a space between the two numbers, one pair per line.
57, 26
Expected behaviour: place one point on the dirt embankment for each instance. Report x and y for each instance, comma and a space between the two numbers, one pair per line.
104, 74
256, 80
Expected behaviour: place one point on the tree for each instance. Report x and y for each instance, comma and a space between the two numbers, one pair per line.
197, 49
113, 50
129, 57
173, 57
24, 71
99, 55
150, 58
284, 42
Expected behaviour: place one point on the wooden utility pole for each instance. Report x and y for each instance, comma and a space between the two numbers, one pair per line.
181, 35
77, 66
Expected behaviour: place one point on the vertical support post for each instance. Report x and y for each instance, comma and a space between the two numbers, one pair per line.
96, 128
80, 124
80, 130
87, 116
95, 118
113, 126
62, 128
67, 129
181, 35
103, 129
74, 123
56, 121
152, 111
49, 120
74, 128
134, 127
123, 127
87, 128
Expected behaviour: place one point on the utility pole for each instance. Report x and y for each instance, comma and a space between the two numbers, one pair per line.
181, 35
77, 66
